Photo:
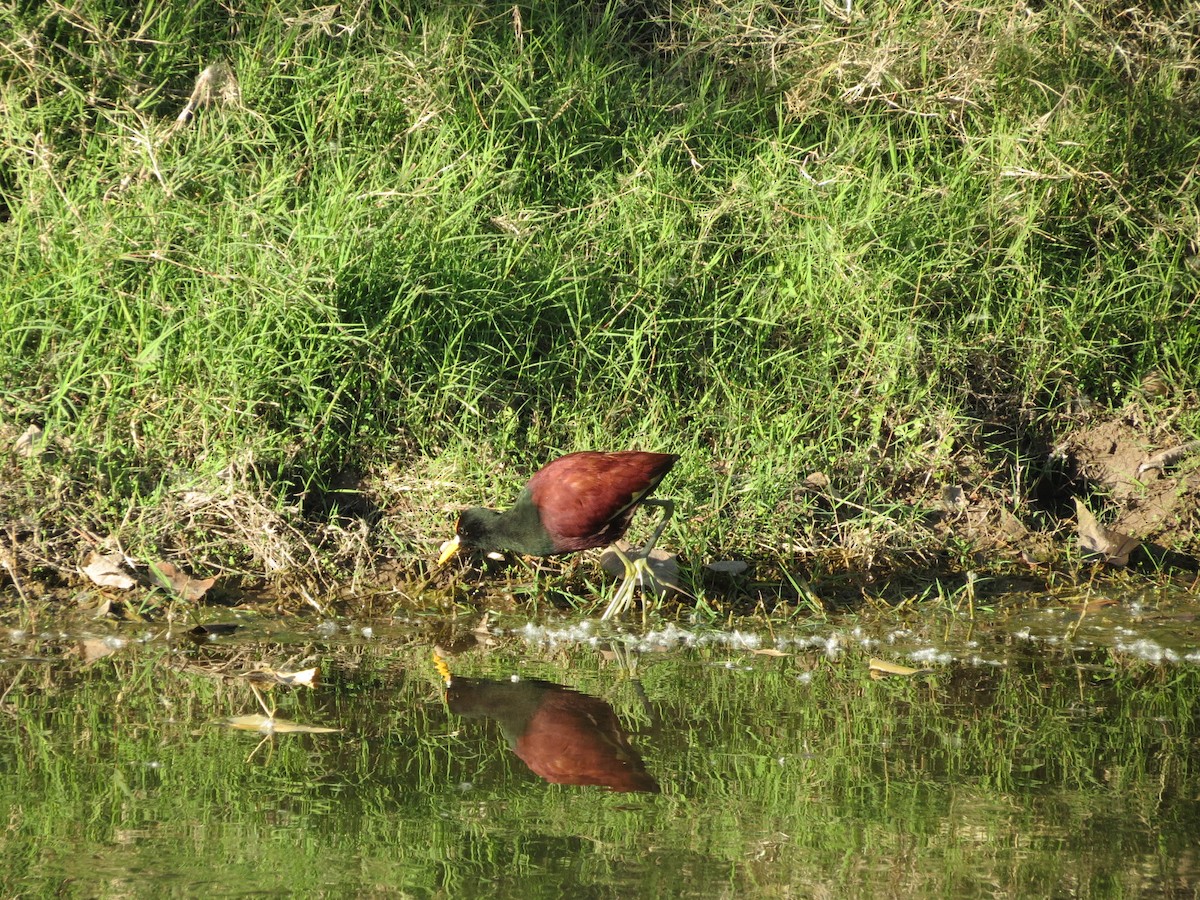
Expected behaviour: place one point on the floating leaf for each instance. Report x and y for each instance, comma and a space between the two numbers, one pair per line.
1096, 605
271, 677
106, 571
92, 649
1112, 546
271, 725
181, 583
881, 668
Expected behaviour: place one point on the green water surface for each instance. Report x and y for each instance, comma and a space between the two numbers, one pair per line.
1014, 768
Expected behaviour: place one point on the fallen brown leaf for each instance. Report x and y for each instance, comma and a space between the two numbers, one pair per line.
1112, 546
31, 443
181, 583
271, 725
270, 677
664, 567
106, 571
881, 668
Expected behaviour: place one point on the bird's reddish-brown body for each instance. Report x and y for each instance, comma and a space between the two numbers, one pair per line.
564, 736
587, 499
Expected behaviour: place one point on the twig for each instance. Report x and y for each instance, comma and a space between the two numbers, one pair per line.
1168, 457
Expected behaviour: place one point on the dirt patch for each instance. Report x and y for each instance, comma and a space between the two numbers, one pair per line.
1146, 479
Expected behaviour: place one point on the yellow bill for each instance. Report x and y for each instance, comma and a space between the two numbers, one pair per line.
448, 549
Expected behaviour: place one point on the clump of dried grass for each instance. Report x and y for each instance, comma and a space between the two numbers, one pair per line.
939, 60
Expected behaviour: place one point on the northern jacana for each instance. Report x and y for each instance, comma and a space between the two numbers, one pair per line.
562, 735
578, 501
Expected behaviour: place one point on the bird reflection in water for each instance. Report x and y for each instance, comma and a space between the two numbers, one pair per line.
562, 735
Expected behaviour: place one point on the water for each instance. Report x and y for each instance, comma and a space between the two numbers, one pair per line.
1042, 755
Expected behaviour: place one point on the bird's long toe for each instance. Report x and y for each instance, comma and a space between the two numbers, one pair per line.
637, 572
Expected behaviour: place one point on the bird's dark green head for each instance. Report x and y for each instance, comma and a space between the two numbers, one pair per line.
474, 532
518, 529
476, 526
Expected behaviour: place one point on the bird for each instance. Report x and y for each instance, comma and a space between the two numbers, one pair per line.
562, 735
576, 502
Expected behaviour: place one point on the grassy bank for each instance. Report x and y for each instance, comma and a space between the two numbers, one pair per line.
399, 255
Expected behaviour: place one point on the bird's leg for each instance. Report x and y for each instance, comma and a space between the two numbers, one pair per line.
637, 568
668, 508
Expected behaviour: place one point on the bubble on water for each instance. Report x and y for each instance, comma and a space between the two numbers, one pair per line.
833, 647
983, 661
326, 629
1148, 650
932, 655
743, 640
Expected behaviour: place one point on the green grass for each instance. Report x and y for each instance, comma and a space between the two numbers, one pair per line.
775, 242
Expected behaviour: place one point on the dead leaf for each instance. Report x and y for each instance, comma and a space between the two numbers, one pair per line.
664, 569
31, 443
768, 651
1095, 605
92, 649
954, 499
270, 725
1112, 546
106, 571
881, 668
269, 677
181, 583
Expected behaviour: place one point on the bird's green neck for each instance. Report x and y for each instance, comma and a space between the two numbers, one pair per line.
518, 529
